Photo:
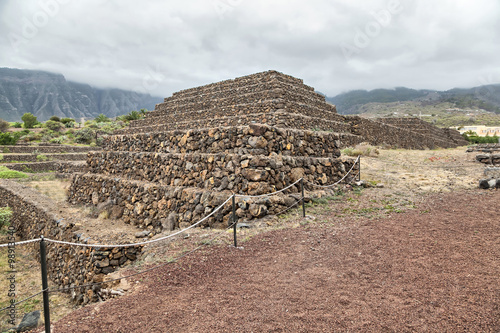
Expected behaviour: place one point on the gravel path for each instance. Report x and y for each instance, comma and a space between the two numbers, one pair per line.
434, 268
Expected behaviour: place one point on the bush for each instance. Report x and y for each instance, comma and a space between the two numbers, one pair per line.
55, 118
41, 158
67, 120
5, 216
17, 125
85, 135
54, 125
71, 124
6, 173
9, 139
480, 139
363, 149
29, 120
101, 119
4, 126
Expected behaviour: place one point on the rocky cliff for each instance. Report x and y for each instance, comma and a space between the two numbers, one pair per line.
46, 94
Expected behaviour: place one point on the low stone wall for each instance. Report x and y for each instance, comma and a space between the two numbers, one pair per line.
51, 149
268, 106
33, 167
8, 158
485, 148
426, 129
493, 159
255, 139
67, 265
244, 95
279, 118
241, 81
243, 174
489, 183
378, 133
156, 207
72, 167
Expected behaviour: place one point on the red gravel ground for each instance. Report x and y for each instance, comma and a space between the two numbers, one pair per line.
432, 269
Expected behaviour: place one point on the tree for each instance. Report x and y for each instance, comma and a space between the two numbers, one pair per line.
29, 120
101, 119
4, 125
67, 120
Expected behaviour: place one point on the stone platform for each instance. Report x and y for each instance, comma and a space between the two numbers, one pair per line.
250, 136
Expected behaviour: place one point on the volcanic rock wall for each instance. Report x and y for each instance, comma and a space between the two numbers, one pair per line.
68, 266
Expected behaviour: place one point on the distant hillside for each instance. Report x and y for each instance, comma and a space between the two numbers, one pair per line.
484, 97
46, 94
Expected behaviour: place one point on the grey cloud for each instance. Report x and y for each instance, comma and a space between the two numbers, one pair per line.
162, 47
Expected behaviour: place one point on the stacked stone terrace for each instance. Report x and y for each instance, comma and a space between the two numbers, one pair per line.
445, 137
243, 136
251, 135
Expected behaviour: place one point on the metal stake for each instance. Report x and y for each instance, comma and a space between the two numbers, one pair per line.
45, 285
234, 222
302, 190
359, 168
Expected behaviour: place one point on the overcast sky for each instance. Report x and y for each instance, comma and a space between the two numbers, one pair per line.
161, 47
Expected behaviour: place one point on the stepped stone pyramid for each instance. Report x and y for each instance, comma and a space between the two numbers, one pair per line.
250, 135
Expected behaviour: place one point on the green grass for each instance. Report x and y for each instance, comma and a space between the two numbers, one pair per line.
6, 173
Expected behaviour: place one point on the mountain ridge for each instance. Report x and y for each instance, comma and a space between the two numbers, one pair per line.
483, 97
46, 94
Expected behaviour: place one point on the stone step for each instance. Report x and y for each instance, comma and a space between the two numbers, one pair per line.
11, 158
254, 92
243, 174
51, 149
256, 139
266, 106
278, 119
157, 207
242, 81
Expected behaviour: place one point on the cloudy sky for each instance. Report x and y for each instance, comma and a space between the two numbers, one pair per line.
160, 47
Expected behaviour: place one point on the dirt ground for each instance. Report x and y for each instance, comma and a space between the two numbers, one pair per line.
420, 254
433, 268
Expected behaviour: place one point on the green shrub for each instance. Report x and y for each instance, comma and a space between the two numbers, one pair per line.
480, 139
5, 216
41, 158
9, 139
59, 140
85, 135
17, 124
54, 125
29, 120
67, 120
101, 119
70, 124
55, 118
6, 173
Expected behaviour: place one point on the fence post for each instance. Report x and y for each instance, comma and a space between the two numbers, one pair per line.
234, 222
359, 168
45, 285
303, 199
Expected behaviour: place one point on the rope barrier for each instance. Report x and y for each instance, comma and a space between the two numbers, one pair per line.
339, 181
20, 243
267, 194
146, 270
142, 243
24, 300
290, 207
191, 226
